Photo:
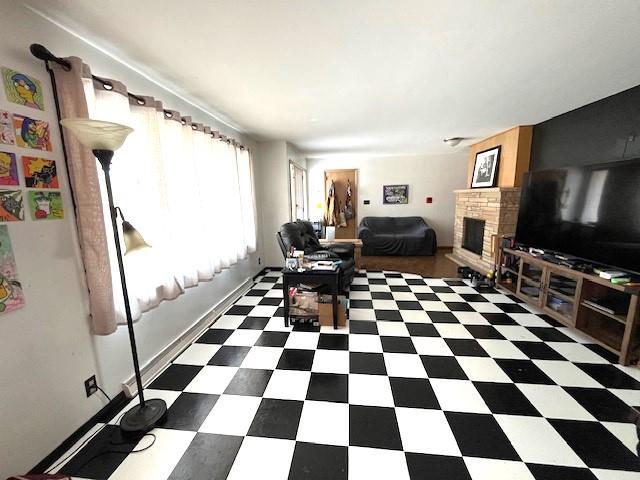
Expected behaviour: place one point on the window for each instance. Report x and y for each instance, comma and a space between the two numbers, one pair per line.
298, 191
188, 192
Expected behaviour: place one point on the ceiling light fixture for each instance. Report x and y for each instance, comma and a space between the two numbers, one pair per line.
453, 141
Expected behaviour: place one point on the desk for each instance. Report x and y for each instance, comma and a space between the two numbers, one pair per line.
356, 242
329, 279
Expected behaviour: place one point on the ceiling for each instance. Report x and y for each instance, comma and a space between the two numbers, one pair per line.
372, 76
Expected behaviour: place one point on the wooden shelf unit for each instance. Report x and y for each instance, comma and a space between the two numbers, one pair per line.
560, 292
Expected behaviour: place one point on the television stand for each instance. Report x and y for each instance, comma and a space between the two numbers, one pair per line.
577, 299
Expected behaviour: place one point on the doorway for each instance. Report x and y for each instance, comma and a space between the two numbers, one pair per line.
341, 179
298, 192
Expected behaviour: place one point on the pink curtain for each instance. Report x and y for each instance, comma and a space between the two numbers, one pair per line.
86, 193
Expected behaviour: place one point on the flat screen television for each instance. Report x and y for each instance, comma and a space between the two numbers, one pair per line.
590, 212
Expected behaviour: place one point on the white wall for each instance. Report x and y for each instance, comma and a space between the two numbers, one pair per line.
46, 349
427, 175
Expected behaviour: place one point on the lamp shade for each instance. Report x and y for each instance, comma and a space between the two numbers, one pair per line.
133, 239
96, 134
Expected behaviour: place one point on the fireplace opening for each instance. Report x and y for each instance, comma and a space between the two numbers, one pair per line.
473, 235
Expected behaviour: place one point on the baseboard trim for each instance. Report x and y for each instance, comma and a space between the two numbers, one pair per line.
163, 358
104, 415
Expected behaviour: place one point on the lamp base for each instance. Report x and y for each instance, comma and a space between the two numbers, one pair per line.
140, 420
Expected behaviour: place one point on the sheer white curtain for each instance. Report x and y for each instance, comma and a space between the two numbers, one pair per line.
187, 190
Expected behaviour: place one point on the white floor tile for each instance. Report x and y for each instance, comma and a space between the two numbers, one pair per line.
516, 333
406, 365
464, 290
379, 288
485, 307
341, 330
497, 298
325, 423
404, 296
263, 458
431, 346
435, 282
566, 374
243, 338
249, 300
197, 354
426, 431
362, 314
392, 329
630, 397
614, 474
374, 390
415, 316
263, 311
490, 469
211, 379
302, 340
452, 330
358, 295
364, 343
626, 433
502, 349
288, 385
331, 361
229, 322
274, 293
576, 352
384, 305
450, 297
482, 369
433, 306
548, 448
231, 415
420, 289
159, 460
458, 396
528, 320
265, 358
553, 402
396, 281
471, 318
377, 464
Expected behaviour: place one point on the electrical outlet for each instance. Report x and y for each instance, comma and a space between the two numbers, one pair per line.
259, 261
90, 385
367, 202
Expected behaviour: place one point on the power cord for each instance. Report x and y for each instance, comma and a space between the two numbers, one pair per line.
103, 392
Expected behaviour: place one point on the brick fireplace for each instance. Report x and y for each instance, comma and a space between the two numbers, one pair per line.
498, 209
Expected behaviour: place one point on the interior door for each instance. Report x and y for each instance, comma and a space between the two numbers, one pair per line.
341, 178
298, 193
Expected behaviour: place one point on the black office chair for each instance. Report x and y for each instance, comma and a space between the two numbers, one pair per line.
301, 235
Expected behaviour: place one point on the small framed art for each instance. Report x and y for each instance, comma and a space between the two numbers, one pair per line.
485, 170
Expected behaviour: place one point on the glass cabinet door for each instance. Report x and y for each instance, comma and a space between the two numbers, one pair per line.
530, 284
560, 295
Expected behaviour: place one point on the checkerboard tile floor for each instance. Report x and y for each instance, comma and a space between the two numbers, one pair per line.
432, 379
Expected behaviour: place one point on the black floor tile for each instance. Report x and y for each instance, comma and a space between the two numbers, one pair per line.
305, 326
603, 352
523, 371
473, 297
328, 387
176, 377
596, 446
272, 339
333, 341
93, 462
442, 367
388, 315
189, 410
436, 467
459, 307
603, 404
361, 304
276, 419
511, 308
272, 301
408, 305
359, 288
208, 457
415, 281
499, 319
484, 332
549, 334
400, 288
229, 356
442, 317
374, 427
413, 393
250, 382
610, 376
256, 292
293, 359
240, 310
367, 363
377, 281
255, 323
318, 462
505, 398
397, 345
442, 289
428, 297
538, 351
465, 347
553, 472
480, 436
422, 330
363, 326
381, 295
455, 283
215, 336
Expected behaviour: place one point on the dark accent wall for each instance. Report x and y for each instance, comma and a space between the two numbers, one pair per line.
596, 133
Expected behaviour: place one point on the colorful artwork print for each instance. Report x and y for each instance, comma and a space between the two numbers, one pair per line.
39, 172
22, 89
8, 169
11, 295
32, 133
45, 205
11, 206
7, 137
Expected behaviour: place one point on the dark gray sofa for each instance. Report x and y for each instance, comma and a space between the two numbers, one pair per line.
397, 236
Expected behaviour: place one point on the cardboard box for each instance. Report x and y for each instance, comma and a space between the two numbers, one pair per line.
325, 310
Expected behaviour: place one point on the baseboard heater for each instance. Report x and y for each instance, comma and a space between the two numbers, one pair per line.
163, 358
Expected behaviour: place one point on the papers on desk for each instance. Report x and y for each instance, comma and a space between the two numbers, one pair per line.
325, 265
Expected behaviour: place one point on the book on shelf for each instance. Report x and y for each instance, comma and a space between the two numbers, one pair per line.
612, 306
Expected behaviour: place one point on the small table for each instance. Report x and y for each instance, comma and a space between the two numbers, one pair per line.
329, 279
356, 242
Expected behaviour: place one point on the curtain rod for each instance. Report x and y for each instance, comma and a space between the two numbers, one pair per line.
43, 53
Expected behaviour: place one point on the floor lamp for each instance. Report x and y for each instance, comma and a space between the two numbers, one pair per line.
103, 138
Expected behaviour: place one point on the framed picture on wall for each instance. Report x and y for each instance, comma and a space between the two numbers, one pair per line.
395, 194
485, 170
